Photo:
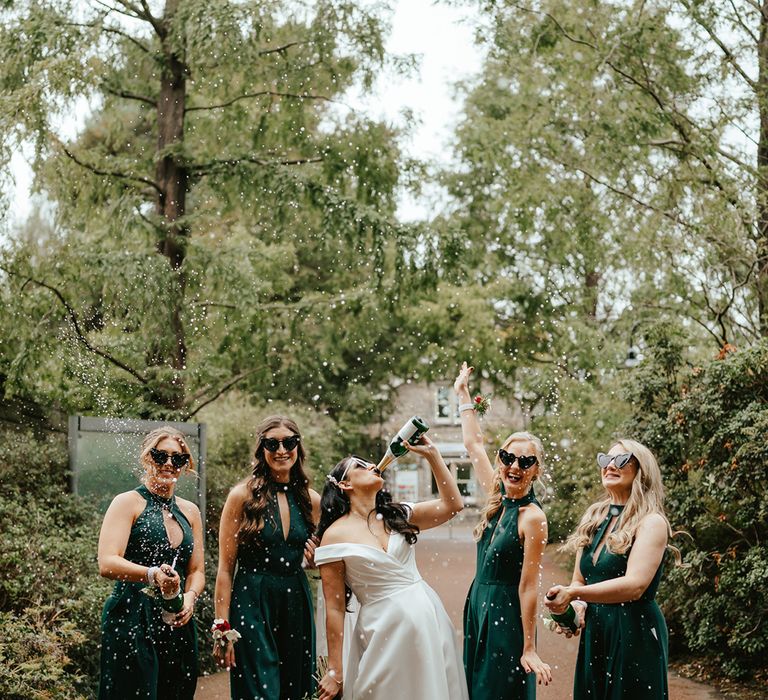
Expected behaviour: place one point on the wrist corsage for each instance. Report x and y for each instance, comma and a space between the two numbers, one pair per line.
480, 404
223, 633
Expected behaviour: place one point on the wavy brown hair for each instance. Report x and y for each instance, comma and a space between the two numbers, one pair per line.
260, 483
493, 503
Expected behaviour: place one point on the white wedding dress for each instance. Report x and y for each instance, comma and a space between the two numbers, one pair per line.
403, 645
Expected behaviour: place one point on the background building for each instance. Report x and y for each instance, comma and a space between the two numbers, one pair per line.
410, 478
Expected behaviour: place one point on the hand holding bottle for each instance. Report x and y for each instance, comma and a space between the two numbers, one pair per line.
580, 610
423, 448
168, 580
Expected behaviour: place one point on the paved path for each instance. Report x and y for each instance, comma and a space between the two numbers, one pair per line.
446, 559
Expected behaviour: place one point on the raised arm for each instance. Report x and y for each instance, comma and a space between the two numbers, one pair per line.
228, 528
332, 575
449, 502
644, 559
471, 432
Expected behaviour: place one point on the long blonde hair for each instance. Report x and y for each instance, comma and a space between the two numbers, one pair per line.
152, 438
646, 497
494, 500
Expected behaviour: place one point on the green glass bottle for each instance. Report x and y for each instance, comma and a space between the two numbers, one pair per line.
566, 619
171, 605
412, 432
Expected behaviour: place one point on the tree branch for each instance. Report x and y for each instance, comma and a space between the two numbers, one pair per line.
204, 168
560, 365
273, 93
616, 190
726, 51
217, 304
556, 23
112, 173
281, 49
226, 387
112, 8
143, 13
675, 310
98, 24
76, 325
743, 24
131, 96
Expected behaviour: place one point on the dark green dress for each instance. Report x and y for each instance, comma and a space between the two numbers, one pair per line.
141, 656
493, 626
271, 607
624, 646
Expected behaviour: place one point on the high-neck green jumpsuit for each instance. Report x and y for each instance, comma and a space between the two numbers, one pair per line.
624, 646
493, 625
141, 656
271, 607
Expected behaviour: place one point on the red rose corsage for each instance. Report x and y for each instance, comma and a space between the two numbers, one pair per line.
482, 403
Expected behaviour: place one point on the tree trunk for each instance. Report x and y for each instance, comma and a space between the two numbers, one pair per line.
172, 178
591, 282
762, 167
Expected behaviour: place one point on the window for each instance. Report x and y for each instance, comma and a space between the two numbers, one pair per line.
446, 408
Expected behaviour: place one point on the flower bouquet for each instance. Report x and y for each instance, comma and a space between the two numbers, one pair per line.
322, 669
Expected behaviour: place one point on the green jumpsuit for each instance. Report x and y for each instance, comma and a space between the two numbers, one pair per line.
141, 656
624, 646
271, 607
493, 626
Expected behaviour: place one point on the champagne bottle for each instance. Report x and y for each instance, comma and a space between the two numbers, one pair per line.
566, 619
172, 604
412, 432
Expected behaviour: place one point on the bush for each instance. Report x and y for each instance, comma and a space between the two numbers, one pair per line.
33, 655
709, 429
50, 594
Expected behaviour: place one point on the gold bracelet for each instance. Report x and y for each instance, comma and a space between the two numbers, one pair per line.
332, 673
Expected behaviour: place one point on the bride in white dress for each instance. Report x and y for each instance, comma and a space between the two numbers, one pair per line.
403, 644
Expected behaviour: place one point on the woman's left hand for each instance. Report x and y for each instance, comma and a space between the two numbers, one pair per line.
531, 663
309, 552
557, 599
329, 687
185, 614
424, 448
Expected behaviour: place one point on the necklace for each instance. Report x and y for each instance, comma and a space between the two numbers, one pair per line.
165, 504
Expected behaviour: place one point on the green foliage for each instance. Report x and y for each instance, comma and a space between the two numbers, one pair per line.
707, 425
50, 595
286, 225
587, 418
33, 652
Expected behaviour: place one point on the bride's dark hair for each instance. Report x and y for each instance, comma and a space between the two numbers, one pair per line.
335, 503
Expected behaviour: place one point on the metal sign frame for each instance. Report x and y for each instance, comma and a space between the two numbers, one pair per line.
130, 426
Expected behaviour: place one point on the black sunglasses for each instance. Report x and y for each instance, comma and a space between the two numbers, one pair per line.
160, 457
619, 461
289, 443
523, 461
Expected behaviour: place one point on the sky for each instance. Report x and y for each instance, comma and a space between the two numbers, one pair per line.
443, 40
